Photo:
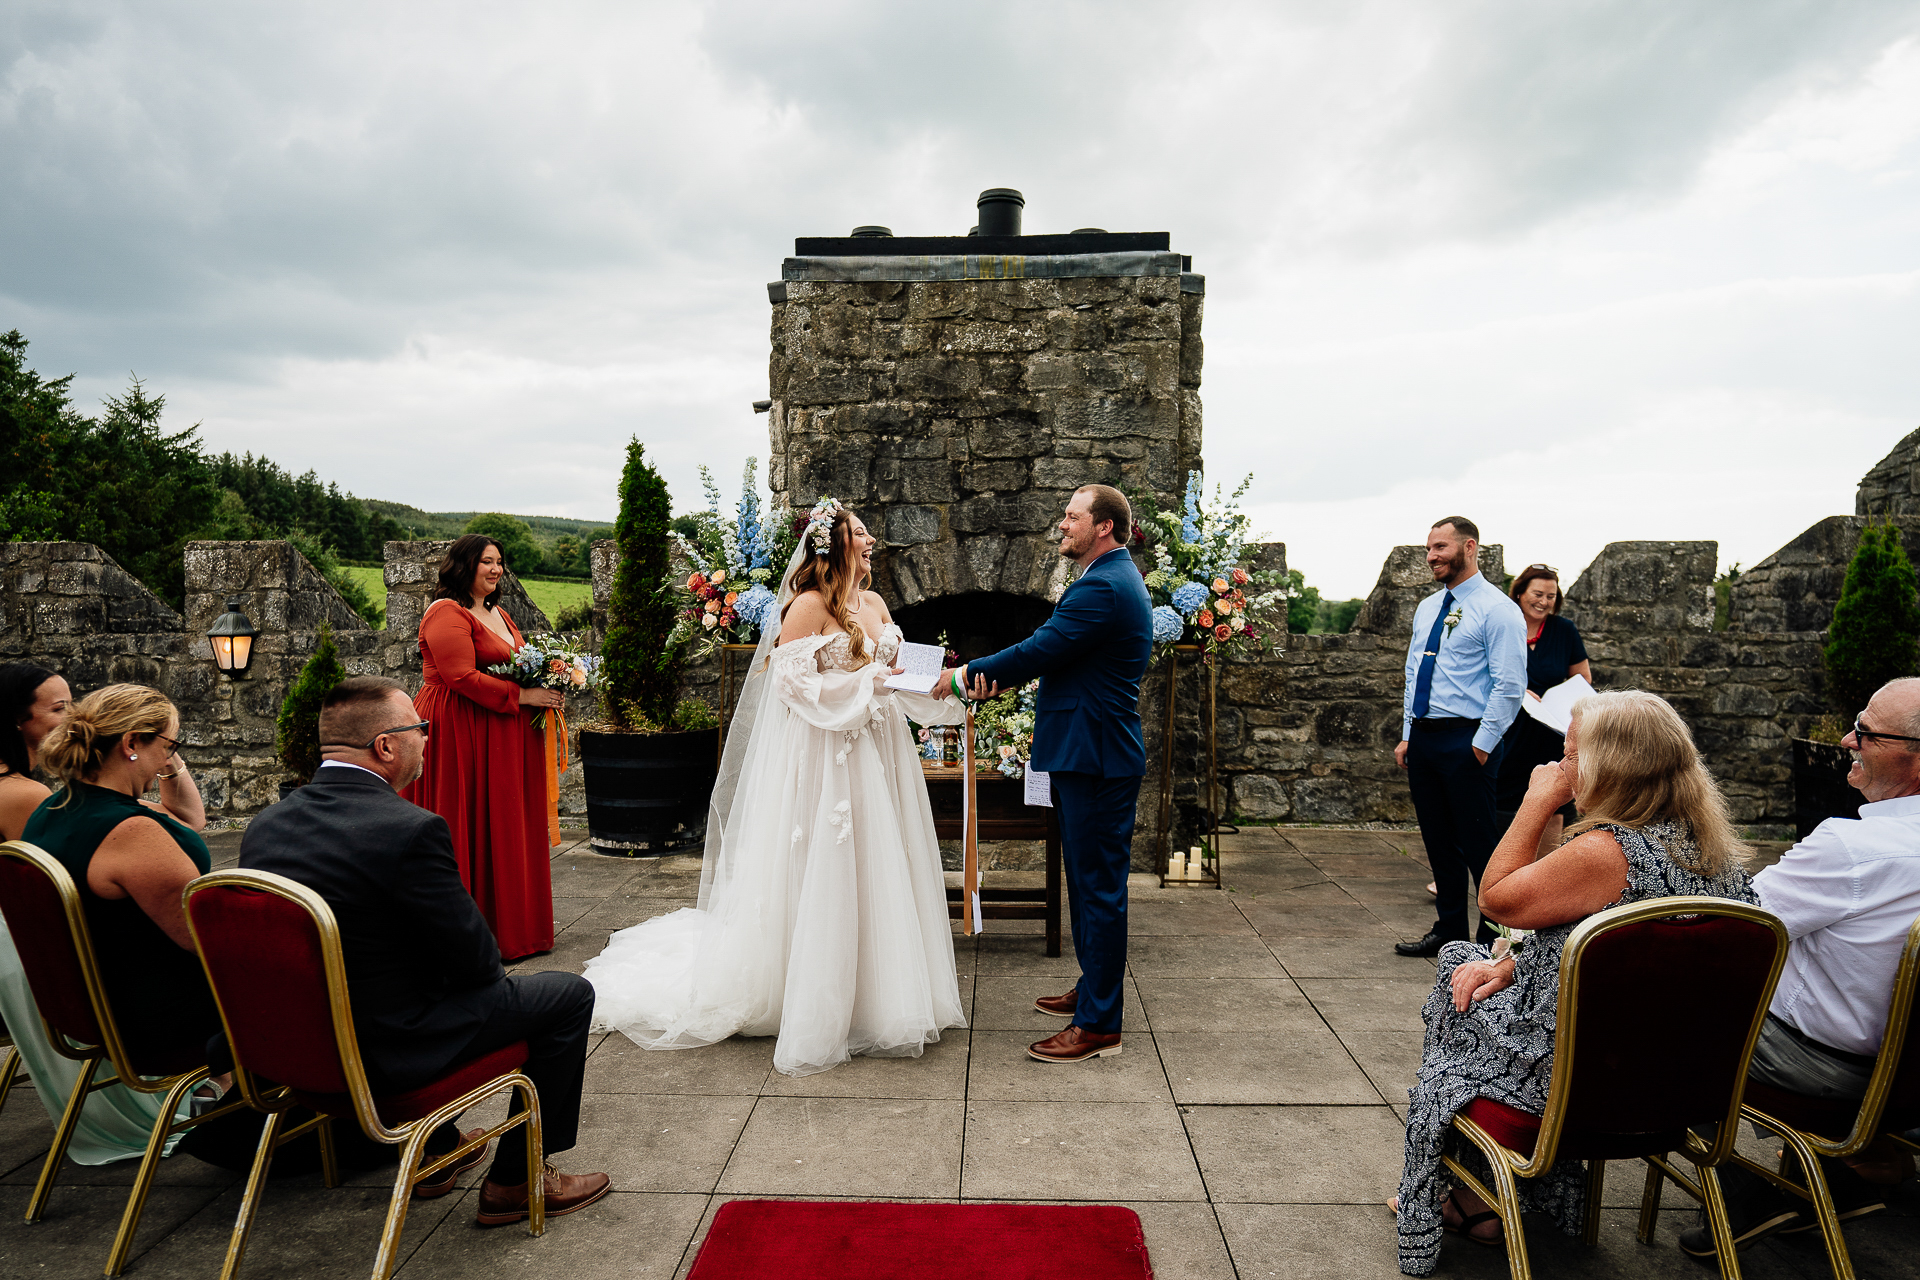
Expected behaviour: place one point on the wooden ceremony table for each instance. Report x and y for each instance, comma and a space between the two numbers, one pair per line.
1004, 815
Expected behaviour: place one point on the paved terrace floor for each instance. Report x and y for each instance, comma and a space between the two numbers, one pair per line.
1254, 1121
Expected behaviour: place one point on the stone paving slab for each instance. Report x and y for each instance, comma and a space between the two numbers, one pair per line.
1254, 1121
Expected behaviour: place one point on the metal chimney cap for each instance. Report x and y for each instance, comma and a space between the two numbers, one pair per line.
873, 233
1001, 193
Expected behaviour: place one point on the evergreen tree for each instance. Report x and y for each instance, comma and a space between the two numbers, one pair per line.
1875, 633
297, 728
642, 672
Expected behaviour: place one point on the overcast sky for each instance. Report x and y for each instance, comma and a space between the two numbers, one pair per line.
1583, 271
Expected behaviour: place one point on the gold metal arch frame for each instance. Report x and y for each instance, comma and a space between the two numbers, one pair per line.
112, 1051
1867, 1122
410, 1137
1705, 1156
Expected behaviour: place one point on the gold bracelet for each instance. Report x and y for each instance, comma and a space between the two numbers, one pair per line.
168, 777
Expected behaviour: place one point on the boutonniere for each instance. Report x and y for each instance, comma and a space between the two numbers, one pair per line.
1453, 619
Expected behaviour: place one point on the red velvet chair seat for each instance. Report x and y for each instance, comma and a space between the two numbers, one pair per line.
399, 1108
1829, 1118
1517, 1130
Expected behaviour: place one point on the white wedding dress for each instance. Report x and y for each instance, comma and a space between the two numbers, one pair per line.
822, 916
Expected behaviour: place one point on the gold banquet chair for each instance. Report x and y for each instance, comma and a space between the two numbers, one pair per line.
49, 928
1822, 1127
271, 949
1644, 987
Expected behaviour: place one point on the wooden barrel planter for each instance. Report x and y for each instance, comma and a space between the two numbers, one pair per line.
1820, 789
647, 793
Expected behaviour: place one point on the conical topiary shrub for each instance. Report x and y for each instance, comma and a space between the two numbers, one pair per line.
1875, 634
296, 738
640, 682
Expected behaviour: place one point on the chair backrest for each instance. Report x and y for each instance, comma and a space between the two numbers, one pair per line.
49, 927
1898, 1070
271, 950
1660, 1003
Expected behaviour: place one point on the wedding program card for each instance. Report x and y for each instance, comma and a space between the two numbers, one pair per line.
922, 663
1039, 789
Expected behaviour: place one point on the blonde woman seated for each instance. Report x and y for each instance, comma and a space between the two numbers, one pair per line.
1657, 826
116, 1122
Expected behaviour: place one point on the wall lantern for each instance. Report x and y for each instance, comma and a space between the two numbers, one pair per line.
232, 635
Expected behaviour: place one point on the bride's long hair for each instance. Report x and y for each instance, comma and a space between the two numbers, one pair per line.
829, 575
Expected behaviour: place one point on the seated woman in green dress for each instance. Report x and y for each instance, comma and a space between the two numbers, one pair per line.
117, 1121
129, 861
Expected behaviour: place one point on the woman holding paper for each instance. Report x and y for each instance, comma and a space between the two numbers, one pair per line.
1555, 654
823, 909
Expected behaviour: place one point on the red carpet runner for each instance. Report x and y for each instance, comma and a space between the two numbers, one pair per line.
815, 1240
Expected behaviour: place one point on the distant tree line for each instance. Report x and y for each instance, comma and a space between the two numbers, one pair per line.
1308, 614
141, 493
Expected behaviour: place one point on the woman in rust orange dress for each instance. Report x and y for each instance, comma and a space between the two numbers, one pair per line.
486, 763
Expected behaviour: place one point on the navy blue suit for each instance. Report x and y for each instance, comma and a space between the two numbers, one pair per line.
1090, 657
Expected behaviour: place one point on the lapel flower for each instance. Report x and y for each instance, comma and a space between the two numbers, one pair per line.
1453, 619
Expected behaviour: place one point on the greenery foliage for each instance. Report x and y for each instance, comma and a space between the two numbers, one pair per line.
641, 685
1723, 595
296, 738
1875, 633
517, 545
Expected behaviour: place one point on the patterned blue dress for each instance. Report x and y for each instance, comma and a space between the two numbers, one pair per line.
1502, 1048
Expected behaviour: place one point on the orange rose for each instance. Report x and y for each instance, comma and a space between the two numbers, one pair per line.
696, 581
1223, 632
731, 597
1219, 586
1240, 577
713, 606
1204, 619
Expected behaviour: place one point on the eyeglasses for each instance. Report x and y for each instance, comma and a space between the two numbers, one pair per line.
1864, 734
173, 744
1549, 568
368, 745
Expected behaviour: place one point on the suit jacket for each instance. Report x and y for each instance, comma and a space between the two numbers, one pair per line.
1090, 656
423, 969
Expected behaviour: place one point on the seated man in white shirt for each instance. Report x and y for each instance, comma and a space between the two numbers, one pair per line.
1848, 893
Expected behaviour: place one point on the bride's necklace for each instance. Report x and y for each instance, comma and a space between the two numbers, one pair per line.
852, 608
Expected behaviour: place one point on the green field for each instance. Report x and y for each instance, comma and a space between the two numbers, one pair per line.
552, 597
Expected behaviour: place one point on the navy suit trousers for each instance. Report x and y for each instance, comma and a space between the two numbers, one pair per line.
1453, 799
1096, 851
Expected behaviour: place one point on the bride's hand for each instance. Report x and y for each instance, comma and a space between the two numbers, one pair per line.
880, 679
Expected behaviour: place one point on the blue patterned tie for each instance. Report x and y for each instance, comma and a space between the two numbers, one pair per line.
1423, 682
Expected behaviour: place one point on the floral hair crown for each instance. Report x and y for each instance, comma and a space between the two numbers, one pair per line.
820, 525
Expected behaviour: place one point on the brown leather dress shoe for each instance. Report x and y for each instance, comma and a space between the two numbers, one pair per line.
1060, 1006
1076, 1044
444, 1181
565, 1192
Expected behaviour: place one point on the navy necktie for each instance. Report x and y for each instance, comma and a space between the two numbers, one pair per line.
1423, 682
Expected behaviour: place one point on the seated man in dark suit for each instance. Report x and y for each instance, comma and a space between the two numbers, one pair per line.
423, 969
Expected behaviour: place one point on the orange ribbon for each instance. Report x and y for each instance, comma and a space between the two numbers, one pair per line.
556, 750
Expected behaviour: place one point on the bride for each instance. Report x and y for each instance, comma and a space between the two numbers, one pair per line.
823, 910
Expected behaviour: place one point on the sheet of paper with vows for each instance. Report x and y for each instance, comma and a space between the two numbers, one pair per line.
1039, 792
922, 663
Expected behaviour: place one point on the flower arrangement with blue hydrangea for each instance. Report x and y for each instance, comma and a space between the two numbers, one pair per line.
548, 661
1200, 580
728, 597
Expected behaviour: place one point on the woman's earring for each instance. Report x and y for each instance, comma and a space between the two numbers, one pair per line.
132, 756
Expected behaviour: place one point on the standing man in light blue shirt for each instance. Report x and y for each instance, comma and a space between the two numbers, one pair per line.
1466, 674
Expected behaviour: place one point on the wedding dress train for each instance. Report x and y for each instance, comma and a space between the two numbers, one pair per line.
823, 910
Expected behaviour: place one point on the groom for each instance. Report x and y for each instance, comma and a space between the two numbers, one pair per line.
1090, 656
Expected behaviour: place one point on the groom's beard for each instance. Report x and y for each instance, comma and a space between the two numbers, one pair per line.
1070, 549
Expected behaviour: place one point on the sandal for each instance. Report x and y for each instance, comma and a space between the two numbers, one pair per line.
1468, 1221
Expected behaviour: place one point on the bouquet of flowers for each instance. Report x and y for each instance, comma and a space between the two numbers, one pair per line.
730, 593
1199, 576
1003, 729
548, 661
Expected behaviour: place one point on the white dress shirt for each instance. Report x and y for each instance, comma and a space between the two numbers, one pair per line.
1848, 894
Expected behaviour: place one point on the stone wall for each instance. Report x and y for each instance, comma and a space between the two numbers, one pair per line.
68, 606
958, 416
1892, 488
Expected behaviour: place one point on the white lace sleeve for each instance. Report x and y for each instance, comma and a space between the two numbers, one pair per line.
923, 709
834, 700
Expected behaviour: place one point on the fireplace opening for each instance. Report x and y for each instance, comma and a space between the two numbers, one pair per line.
976, 624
